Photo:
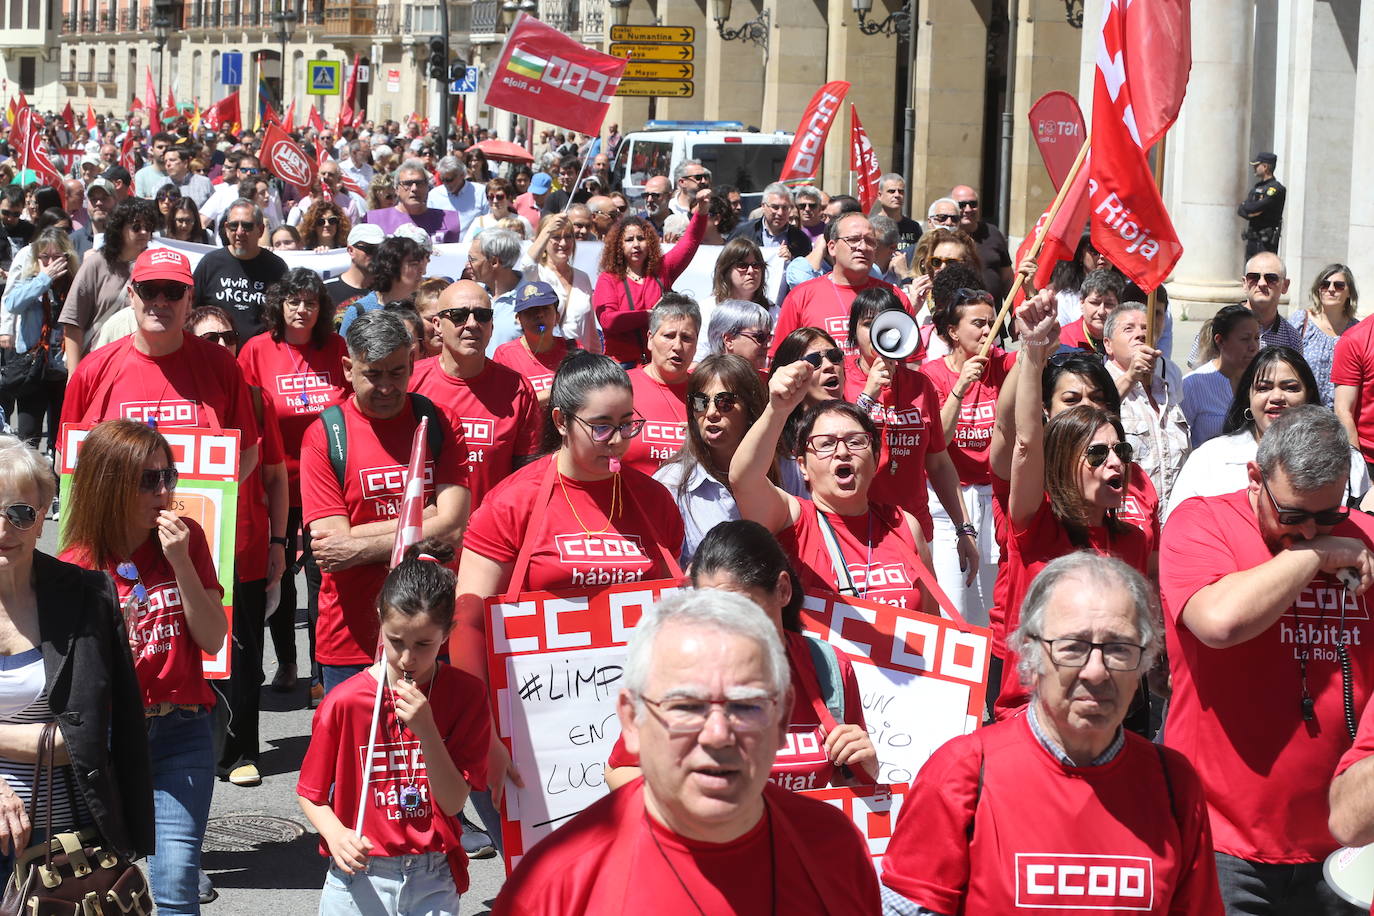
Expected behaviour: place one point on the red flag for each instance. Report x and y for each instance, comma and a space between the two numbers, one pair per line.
224, 114
1057, 125
150, 94
346, 106
284, 158
170, 112
90, 118
126, 153
69, 116
804, 158
29, 150
1159, 55
314, 119
291, 117
136, 104
410, 522
350, 184
1130, 224
546, 75
1062, 235
863, 160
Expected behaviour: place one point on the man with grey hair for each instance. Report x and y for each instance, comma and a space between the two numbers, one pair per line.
466, 198
1151, 391
943, 213
810, 203
655, 196
235, 277
1062, 806
886, 230
689, 177
1268, 621
358, 165
492, 260
353, 480
891, 200
774, 228
412, 195
702, 706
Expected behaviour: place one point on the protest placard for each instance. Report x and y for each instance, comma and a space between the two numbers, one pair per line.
207, 463
873, 809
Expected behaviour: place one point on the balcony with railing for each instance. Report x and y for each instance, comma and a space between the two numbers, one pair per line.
593, 20
106, 77
355, 18
486, 19
68, 25
67, 76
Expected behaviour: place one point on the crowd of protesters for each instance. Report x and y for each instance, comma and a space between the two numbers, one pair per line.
1172, 555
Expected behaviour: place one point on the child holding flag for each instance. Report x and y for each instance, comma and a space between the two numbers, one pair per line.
430, 748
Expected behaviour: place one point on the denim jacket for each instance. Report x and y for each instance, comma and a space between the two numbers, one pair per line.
25, 301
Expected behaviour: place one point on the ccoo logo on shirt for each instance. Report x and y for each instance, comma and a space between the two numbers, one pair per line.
599, 548
1084, 882
660, 433
479, 431
389, 481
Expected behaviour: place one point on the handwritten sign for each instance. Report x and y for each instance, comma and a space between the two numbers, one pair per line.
207, 464
873, 809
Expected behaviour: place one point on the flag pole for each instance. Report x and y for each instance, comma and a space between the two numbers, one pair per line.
1039, 242
1150, 329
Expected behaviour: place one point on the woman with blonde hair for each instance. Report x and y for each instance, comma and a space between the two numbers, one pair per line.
553, 251
381, 193
1330, 312
35, 299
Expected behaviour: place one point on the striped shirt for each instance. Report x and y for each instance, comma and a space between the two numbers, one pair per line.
23, 681
1207, 396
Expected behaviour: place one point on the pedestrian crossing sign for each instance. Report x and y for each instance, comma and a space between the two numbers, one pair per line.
322, 77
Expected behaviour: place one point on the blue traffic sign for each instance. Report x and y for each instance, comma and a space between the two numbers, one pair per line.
468, 84
322, 77
231, 68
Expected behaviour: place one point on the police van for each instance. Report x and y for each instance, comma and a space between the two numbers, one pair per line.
746, 159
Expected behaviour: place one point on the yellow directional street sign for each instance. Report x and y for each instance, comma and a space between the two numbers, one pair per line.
672, 33
653, 52
675, 89
657, 70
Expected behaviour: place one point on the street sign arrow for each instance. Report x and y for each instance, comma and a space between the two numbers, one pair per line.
653, 52
673, 89
673, 33
657, 70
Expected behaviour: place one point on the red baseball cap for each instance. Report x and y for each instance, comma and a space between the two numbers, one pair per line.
162, 264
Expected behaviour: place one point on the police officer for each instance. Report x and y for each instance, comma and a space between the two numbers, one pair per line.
1263, 208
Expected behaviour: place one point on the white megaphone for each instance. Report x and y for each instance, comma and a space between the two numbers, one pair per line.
1350, 872
895, 334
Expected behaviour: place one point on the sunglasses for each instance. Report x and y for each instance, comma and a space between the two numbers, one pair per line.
327, 221
240, 226
167, 290
946, 219
808, 205
1253, 279
963, 295
602, 432
652, 194
699, 179
1096, 454
459, 316
834, 355
1337, 285
749, 265
21, 515
1323, 517
245, 170
942, 263
223, 338
725, 401
150, 481
967, 204
413, 183
129, 573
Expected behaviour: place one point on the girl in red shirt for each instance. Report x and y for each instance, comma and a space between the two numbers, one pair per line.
172, 600
429, 749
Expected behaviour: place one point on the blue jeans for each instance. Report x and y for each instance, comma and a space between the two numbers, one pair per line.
182, 747
411, 885
334, 675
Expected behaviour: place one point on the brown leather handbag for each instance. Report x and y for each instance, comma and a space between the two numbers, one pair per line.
72, 874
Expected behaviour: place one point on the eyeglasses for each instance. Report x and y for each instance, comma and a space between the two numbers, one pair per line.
413, 183
964, 295
151, 481
749, 265
759, 337
824, 445
602, 432
223, 338
459, 316
301, 305
240, 226
1325, 518
1074, 653
725, 401
834, 355
167, 290
1337, 285
20, 515
1096, 454
327, 221
1253, 279
941, 263
946, 219
859, 241
499, 195
688, 716
967, 204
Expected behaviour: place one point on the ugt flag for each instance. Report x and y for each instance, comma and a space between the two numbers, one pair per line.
1143, 60
545, 75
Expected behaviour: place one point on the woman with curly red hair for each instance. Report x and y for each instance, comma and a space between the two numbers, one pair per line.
324, 227
635, 272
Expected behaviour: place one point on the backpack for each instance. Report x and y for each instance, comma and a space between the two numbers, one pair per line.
828, 674
336, 432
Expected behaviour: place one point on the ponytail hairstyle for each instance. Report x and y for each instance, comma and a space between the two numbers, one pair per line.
421, 584
579, 374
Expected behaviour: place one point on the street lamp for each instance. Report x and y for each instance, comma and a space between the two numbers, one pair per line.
755, 30
620, 11
896, 23
1073, 13
162, 29
509, 10
286, 22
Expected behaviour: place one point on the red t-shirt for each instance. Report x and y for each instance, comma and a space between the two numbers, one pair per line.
908, 419
1139, 509
886, 572
254, 522
1353, 364
1236, 713
802, 763
823, 303
288, 373
1074, 335
1029, 550
374, 483
995, 824
166, 658
614, 858
497, 412
664, 407
566, 554
199, 384
333, 765
538, 368
977, 412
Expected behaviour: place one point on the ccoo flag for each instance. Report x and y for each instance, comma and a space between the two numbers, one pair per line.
863, 161
804, 158
1142, 67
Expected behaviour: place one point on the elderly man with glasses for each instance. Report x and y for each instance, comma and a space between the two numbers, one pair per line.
992, 244
774, 228
413, 207
1061, 809
466, 198
236, 277
689, 177
703, 706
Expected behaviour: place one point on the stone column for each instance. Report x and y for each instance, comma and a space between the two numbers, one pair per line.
797, 62
727, 72
951, 46
869, 63
1360, 256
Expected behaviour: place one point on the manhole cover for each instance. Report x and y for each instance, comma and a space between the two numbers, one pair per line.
242, 832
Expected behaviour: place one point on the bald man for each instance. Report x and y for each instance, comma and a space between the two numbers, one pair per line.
992, 244
604, 214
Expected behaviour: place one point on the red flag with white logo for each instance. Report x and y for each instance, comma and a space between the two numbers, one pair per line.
1057, 125
863, 160
545, 75
284, 158
224, 114
69, 116
804, 158
126, 153
31, 154
1130, 224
